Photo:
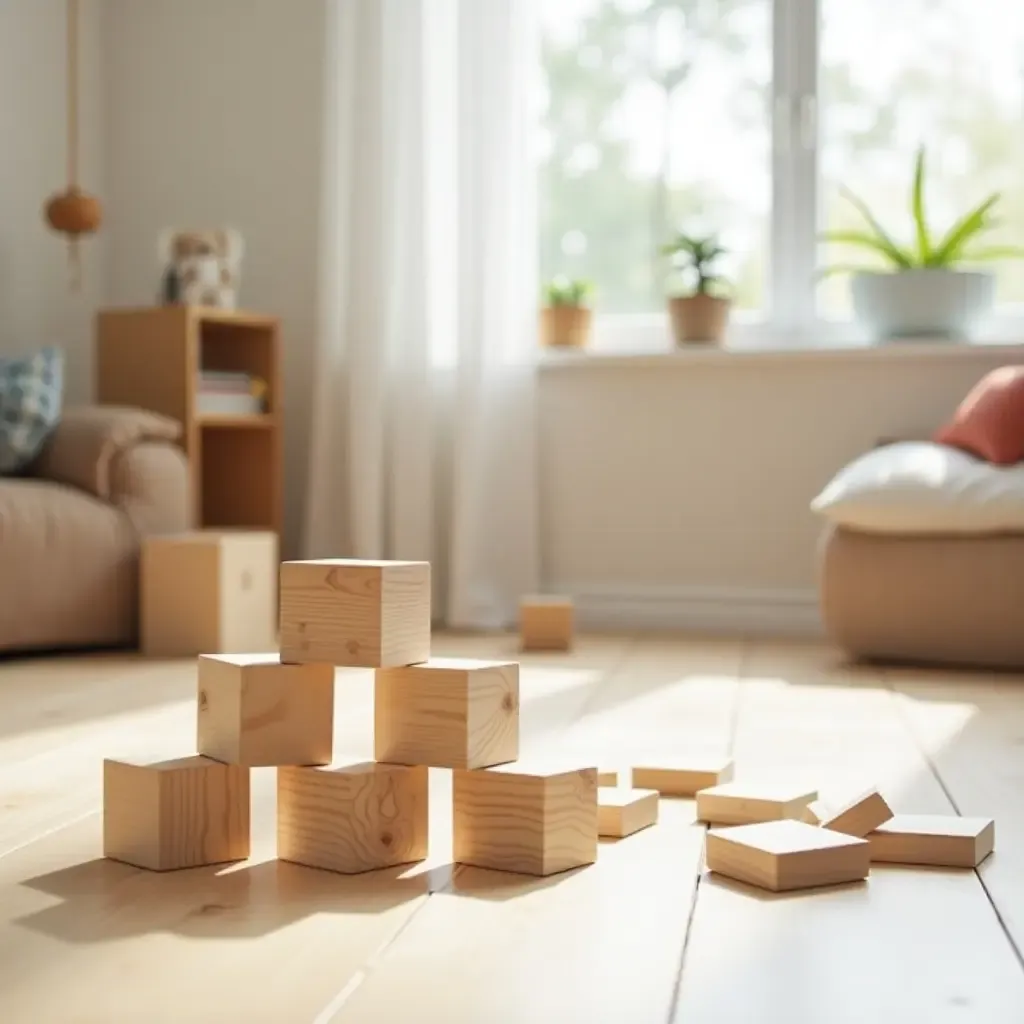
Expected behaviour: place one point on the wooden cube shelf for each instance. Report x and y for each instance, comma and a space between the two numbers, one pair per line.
447, 713
254, 711
356, 614
352, 818
152, 358
208, 592
175, 814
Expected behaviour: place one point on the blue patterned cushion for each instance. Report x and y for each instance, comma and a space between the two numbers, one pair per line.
31, 393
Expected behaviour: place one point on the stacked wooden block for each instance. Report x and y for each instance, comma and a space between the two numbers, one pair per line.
277, 709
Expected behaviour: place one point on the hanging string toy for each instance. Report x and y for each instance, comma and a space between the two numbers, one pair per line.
73, 212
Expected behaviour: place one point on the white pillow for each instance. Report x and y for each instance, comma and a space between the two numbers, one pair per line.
917, 487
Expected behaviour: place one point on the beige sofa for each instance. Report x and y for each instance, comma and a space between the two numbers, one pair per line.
940, 600
71, 529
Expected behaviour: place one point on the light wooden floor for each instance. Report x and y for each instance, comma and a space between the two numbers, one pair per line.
642, 937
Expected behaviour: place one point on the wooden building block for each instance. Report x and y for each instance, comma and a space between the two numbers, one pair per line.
607, 776
183, 813
255, 711
621, 812
860, 816
814, 813
785, 855
535, 820
683, 778
208, 592
352, 818
746, 803
355, 613
932, 839
546, 623
448, 713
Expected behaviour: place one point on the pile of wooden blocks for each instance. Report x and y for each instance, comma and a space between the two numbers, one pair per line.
277, 709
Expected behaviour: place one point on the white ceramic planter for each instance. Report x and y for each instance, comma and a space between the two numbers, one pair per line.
922, 303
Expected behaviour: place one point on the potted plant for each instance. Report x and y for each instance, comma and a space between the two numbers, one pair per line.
701, 313
924, 291
566, 316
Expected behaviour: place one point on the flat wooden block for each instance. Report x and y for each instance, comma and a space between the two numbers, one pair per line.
208, 592
621, 812
607, 776
355, 613
860, 816
447, 713
352, 818
255, 711
534, 820
683, 778
546, 623
184, 813
785, 855
931, 839
746, 803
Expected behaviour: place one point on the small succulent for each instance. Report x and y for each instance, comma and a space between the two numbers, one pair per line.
565, 291
927, 250
697, 257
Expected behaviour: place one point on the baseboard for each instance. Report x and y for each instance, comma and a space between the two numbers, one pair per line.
733, 610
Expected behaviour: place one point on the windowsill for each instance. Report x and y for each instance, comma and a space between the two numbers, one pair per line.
556, 359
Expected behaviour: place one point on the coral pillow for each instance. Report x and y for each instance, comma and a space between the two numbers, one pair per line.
989, 424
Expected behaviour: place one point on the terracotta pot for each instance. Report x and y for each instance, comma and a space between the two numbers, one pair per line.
565, 326
699, 319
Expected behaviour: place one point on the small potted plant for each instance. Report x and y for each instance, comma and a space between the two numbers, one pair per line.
701, 313
924, 291
567, 314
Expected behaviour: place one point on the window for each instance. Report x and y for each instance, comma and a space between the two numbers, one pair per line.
744, 118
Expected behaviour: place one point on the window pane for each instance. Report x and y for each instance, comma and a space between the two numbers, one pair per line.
655, 119
948, 74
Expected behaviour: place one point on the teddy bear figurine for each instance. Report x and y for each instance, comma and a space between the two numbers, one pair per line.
203, 268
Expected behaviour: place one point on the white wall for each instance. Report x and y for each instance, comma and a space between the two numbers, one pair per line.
36, 304
215, 113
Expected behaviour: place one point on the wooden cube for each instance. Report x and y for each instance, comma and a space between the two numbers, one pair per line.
175, 814
546, 623
945, 841
534, 820
352, 818
255, 711
683, 778
448, 713
746, 803
208, 592
355, 613
621, 812
859, 816
785, 855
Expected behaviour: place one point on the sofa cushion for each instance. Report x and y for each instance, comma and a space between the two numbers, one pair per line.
989, 422
922, 487
31, 391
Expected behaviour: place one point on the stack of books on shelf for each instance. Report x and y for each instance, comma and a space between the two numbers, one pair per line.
226, 393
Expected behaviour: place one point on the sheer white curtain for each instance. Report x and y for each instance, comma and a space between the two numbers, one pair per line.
423, 415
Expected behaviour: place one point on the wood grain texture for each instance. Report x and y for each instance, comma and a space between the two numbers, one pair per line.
447, 713
357, 614
352, 818
183, 813
933, 839
621, 812
683, 778
546, 623
747, 803
531, 820
252, 710
859, 816
784, 855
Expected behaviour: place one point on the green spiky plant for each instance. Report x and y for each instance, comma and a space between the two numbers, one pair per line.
563, 291
697, 257
956, 248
